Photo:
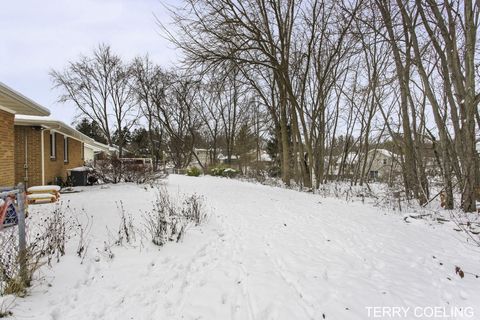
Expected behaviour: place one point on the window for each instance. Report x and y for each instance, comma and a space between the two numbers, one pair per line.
65, 149
82, 150
374, 175
53, 151
385, 161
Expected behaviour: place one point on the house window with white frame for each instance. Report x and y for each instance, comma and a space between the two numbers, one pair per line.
53, 151
65, 149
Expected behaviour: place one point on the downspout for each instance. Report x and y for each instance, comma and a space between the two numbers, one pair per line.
25, 164
42, 154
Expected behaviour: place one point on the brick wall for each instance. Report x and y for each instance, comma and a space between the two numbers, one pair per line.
54, 167
58, 167
7, 154
28, 144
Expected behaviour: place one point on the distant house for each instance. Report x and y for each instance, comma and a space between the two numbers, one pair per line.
203, 157
382, 164
223, 159
94, 150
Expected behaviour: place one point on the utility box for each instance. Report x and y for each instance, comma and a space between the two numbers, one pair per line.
79, 176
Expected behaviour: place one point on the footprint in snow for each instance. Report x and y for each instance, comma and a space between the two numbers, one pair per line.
224, 298
463, 295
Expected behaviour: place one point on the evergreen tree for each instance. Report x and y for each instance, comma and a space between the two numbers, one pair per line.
91, 129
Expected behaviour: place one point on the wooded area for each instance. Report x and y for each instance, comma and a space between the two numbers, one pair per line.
318, 80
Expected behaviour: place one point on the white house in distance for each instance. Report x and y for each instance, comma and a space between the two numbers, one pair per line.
381, 164
92, 148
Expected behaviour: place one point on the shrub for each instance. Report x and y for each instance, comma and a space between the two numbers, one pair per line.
157, 221
109, 170
193, 209
274, 171
168, 219
138, 173
193, 172
217, 171
230, 172
114, 170
222, 171
126, 230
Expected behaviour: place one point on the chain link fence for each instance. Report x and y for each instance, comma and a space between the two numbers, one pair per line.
12, 239
9, 258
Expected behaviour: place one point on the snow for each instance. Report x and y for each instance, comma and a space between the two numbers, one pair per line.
28, 117
265, 157
41, 196
264, 253
81, 169
44, 188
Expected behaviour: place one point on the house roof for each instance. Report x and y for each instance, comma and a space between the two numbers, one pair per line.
98, 147
49, 123
384, 152
16, 103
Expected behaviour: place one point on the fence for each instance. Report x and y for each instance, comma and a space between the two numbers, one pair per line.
13, 257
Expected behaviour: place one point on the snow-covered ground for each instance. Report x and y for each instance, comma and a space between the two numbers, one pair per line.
263, 253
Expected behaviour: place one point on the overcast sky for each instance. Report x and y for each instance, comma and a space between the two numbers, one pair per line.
36, 36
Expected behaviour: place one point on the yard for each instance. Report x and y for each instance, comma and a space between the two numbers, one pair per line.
263, 253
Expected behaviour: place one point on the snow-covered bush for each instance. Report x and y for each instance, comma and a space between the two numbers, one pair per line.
159, 221
221, 171
217, 171
126, 230
193, 209
193, 172
230, 172
168, 219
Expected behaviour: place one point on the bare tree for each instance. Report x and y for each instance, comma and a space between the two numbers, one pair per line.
99, 87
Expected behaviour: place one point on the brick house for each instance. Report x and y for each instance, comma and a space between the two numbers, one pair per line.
45, 149
35, 149
12, 103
